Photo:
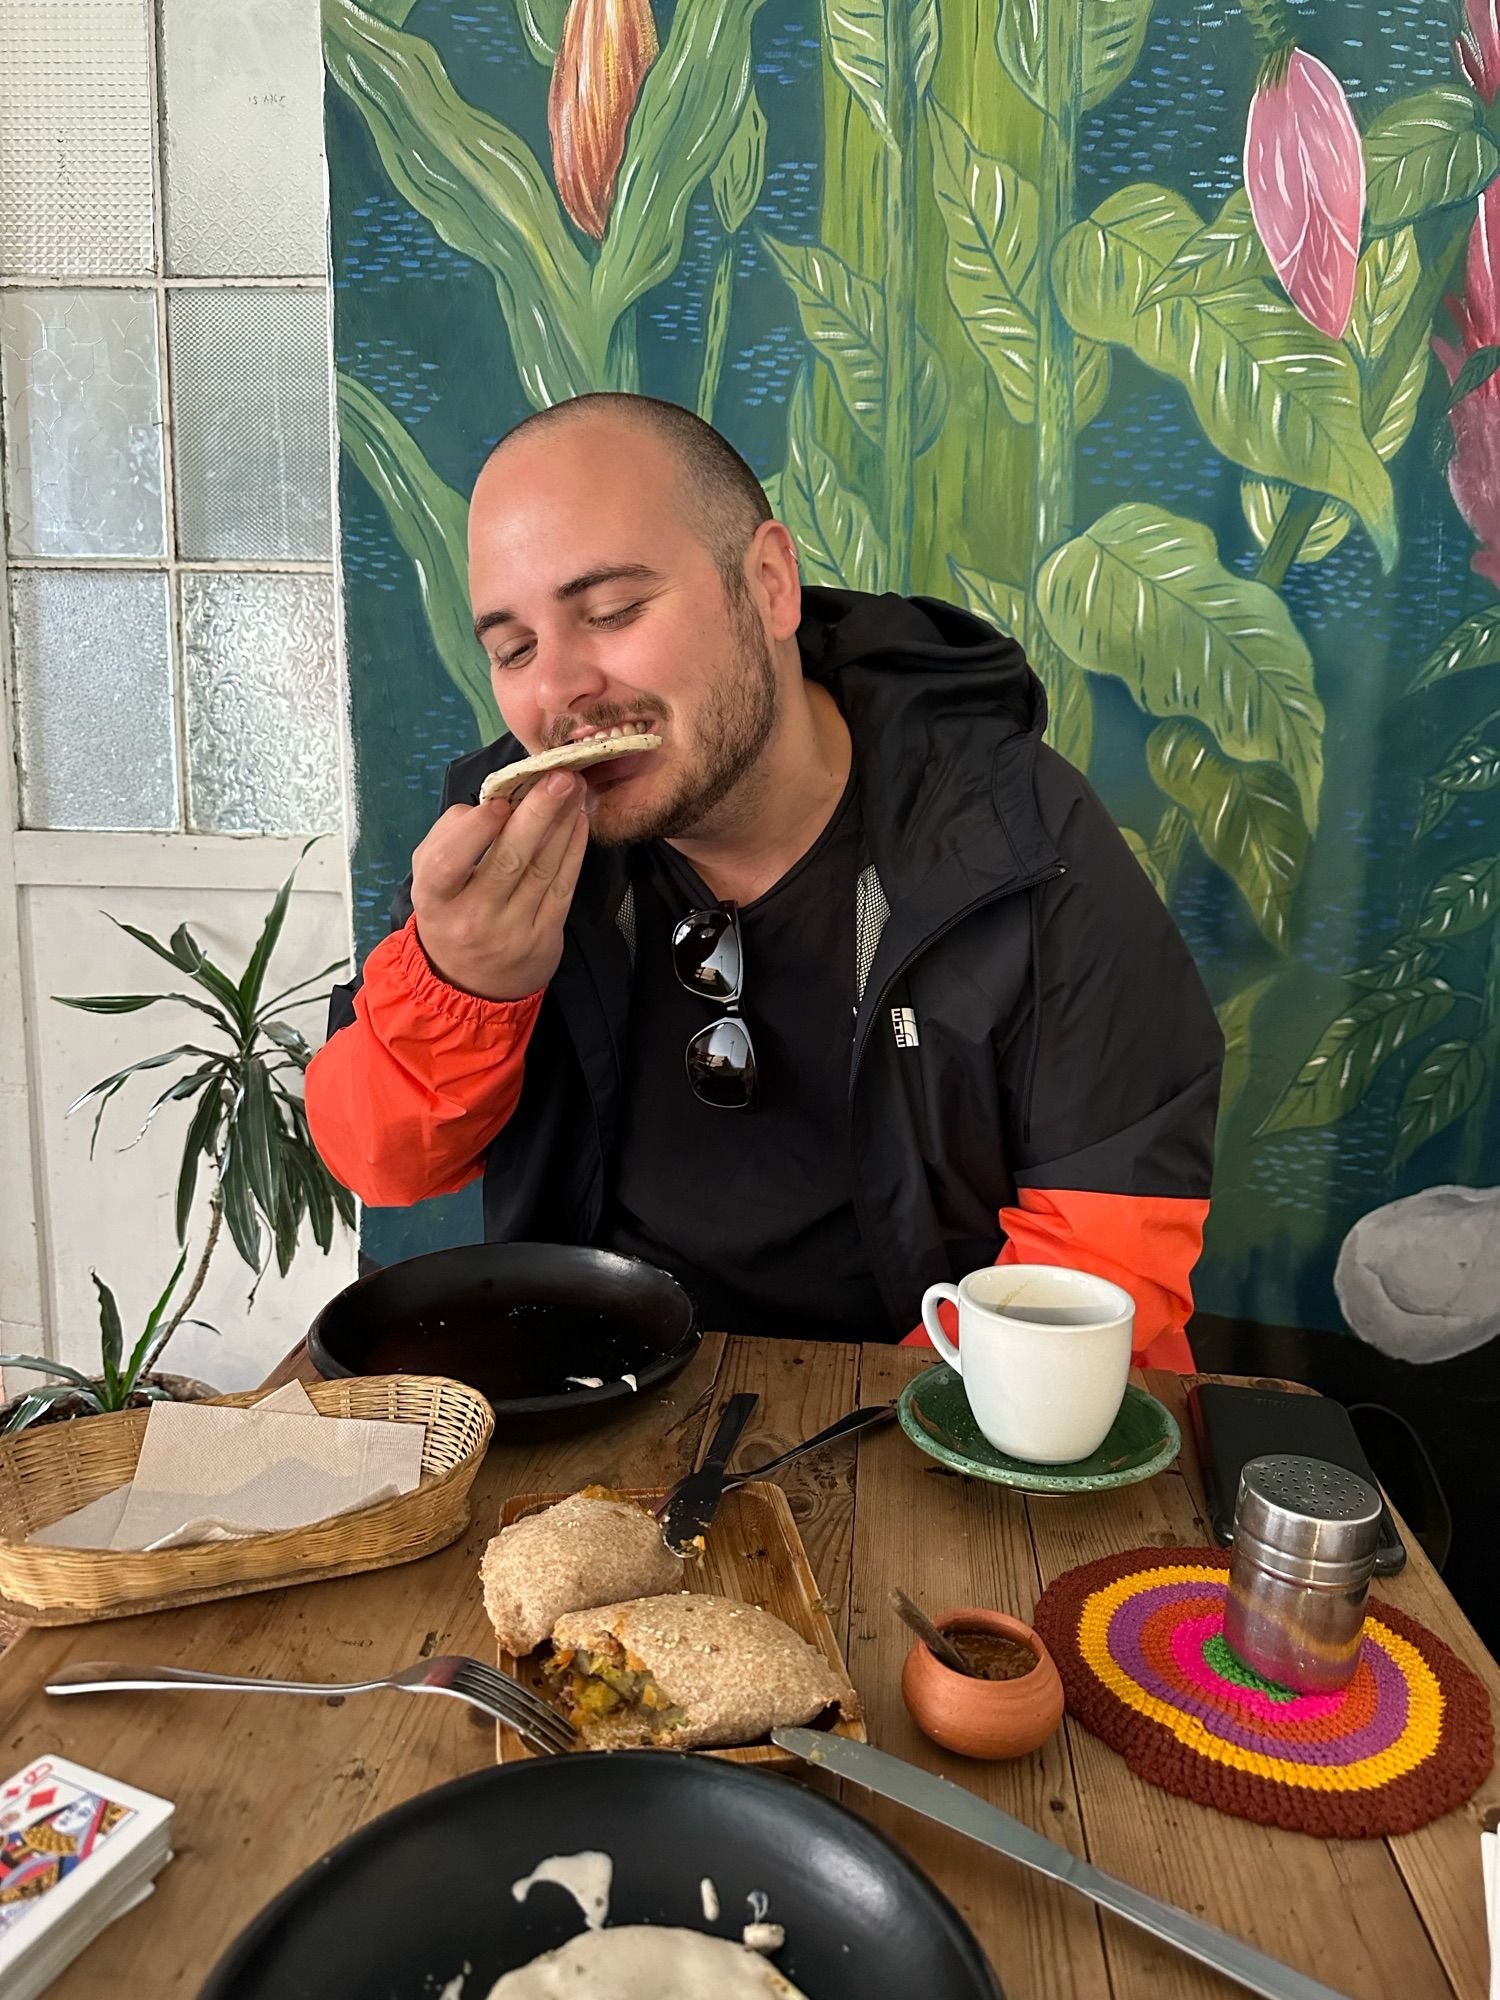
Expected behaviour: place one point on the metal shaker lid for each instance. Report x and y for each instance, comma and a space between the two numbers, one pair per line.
1308, 1512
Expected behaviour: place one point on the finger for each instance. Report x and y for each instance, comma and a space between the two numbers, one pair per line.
540, 816
444, 863
565, 881
540, 872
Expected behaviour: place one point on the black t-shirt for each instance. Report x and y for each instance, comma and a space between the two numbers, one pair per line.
751, 1209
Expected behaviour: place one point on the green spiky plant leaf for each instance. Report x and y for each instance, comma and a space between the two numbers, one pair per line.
247, 1128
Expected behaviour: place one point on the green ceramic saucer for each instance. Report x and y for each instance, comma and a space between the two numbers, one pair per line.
935, 1414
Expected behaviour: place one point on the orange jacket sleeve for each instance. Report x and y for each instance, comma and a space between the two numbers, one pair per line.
404, 1101
1146, 1244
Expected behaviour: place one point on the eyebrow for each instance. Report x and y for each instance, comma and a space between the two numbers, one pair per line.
575, 587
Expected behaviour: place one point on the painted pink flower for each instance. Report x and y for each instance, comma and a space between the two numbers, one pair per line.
1305, 176
1478, 48
1474, 470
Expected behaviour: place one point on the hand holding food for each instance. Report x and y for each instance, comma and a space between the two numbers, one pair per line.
491, 885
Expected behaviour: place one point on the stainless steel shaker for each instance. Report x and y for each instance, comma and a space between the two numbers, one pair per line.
1299, 1570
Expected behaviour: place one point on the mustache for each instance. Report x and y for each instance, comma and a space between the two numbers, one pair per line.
606, 716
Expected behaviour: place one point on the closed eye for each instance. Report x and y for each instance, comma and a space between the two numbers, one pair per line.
620, 617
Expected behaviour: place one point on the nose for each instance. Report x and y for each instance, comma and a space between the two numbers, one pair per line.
564, 677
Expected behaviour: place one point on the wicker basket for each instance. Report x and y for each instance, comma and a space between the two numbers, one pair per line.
46, 1473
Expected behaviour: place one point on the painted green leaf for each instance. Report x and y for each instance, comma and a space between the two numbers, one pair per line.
1476, 768
1464, 899
1476, 371
1110, 34
1351, 1050
991, 216
738, 178
1472, 766
1002, 605
1474, 642
1234, 1024
1143, 596
1216, 257
689, 110
1070, 717
771, 487
856, 36
835, 534
1272, 393
541, 24
843, 316
1247, 818
481, 189
1425, 152
1398, 964
1445, 1085
429, 520
1264, 501
1140, 848
1389, 271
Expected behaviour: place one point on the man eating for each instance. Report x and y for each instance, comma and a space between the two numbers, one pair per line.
848, 986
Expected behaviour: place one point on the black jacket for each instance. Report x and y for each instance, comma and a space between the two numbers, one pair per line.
1058, 1036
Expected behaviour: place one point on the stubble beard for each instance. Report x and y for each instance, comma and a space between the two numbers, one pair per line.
734, 726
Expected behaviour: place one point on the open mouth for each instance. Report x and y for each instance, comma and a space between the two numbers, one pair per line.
639, 726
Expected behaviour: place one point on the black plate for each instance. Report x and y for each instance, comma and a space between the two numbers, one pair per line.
424, 1891
514, 1320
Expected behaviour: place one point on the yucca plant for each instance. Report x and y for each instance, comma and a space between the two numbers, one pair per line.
248, 1126
121, 1384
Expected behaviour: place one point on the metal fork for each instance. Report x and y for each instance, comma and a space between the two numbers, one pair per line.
484, 1688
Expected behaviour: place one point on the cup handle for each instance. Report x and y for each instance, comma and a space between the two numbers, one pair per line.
934, 1325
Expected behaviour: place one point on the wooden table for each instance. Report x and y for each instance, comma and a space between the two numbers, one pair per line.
262, 1786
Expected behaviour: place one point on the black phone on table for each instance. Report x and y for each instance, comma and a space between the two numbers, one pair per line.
1232, 1425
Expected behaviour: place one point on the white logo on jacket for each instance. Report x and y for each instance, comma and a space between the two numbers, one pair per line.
904, 1021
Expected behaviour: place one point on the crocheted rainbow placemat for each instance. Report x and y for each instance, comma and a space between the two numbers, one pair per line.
1139, 1641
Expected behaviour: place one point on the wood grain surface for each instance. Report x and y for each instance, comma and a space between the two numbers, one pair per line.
264, 1785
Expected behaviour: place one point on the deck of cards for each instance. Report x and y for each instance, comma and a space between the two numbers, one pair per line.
77, 1850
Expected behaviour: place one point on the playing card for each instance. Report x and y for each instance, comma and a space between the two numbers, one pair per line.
67, 1834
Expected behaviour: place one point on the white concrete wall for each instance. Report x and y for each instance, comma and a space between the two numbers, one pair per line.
115, 1214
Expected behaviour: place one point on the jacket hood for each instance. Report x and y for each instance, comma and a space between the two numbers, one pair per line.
946, 716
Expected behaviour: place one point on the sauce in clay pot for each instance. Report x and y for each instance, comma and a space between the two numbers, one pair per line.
1009, 1707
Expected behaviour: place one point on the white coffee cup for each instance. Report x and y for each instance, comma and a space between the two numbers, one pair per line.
1044, 1356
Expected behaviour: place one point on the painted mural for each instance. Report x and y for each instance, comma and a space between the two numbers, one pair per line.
1164, 336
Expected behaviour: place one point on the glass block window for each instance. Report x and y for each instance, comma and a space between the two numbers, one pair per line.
167, 464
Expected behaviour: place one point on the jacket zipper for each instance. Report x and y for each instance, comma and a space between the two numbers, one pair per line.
934, 937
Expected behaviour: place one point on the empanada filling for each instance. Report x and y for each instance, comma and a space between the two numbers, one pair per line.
610, 1681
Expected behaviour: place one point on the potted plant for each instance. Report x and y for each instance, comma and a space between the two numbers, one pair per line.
249, 1129
121, 1384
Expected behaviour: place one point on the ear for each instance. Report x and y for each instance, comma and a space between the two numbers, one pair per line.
771, 571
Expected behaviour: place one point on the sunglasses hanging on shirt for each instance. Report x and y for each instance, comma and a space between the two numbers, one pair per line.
708, 957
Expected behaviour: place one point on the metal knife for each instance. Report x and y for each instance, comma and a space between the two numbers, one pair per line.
950, 1805
692, 1503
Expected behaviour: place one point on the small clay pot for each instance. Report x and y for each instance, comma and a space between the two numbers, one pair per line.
980, 1718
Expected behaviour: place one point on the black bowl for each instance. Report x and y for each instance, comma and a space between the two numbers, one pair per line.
423, 1892
514, 1320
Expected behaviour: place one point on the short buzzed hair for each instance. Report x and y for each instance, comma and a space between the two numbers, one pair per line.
727, 503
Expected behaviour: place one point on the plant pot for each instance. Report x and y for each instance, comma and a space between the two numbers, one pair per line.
983, 1718
70, 1409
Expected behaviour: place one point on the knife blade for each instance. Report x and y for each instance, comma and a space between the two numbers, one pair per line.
950, 1805
692, 1503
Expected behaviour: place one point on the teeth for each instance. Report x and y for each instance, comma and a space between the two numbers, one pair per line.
619, 729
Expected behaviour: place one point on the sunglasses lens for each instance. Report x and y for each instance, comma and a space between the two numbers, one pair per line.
706, 954
721, 1065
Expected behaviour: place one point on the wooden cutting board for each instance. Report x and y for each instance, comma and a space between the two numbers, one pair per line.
754, 1554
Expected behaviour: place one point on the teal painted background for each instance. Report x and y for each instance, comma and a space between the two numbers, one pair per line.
989, 312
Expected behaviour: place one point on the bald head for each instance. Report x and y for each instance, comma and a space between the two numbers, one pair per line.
718, 496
